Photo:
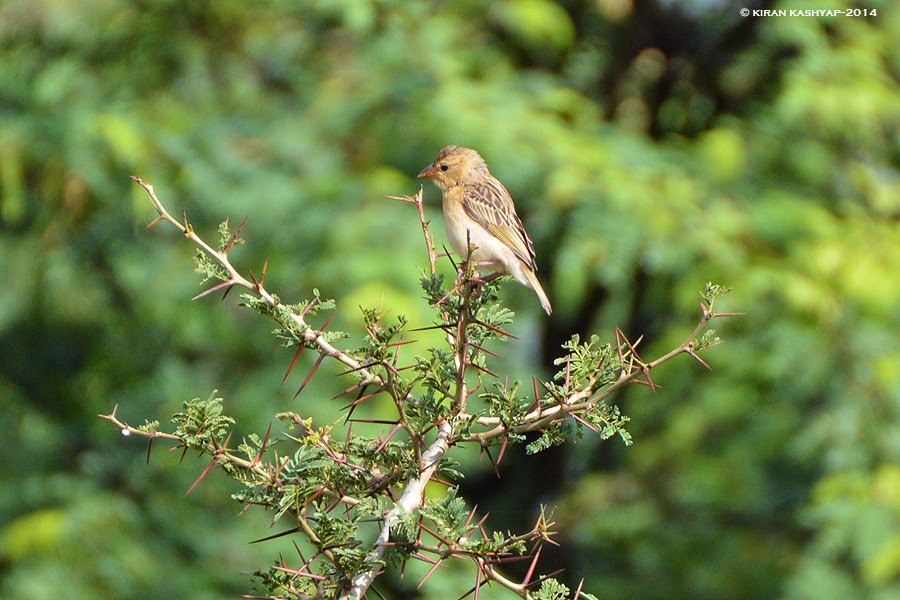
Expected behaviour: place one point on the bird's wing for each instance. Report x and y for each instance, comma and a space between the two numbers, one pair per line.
489, 204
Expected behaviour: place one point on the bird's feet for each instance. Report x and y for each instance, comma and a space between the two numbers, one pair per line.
478, 282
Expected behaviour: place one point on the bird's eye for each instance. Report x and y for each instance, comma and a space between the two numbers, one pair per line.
444, 167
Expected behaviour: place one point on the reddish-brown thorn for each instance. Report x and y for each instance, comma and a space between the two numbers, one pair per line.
349, 432
531, 567
549, 540
280, 468
401, 343
224, 447
471, 516
234, 236
419, 532
300, 348
312, 498
553, 394
506, 558
537, 524
543, 578
450, 258
262, 448
502, 448
537, 400
487, 451
262, 276
478, 583
444, 326
631, 347
311, 373
299, 552
430, 571
225, 284
357, 368
352, 406
423, 558
275, 536
585, 423
396, 359
327, 321
483, 349
433, 534
205, 472
403, 568
619, 336
353, 387
691, 352
483, 369
646, 370
648, 382
410, 199
634, 356
481, 523
393, 431
336, 502
309, 306
453, 290
495, 328
299, 573
486, 279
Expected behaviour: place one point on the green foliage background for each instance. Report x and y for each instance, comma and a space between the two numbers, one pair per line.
651, 147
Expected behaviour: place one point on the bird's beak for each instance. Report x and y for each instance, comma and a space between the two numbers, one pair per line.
428, 172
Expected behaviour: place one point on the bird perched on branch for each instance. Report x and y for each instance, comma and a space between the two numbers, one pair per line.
479, 211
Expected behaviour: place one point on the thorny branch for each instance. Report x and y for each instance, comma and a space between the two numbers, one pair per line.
578, 400
584, 399
309, 334
223, 456
575, 402
413, 495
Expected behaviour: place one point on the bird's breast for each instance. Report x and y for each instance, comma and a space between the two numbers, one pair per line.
488, 250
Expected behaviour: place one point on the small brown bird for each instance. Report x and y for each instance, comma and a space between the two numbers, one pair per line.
479, 210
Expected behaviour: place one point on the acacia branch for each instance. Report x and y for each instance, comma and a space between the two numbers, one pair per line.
409, 501
222, 456
585, 399
429, 242
429, 462
413, 493
308, 334
458, 322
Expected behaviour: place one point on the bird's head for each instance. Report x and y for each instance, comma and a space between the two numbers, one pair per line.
455, 165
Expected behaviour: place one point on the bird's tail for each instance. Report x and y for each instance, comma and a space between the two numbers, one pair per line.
536, 286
